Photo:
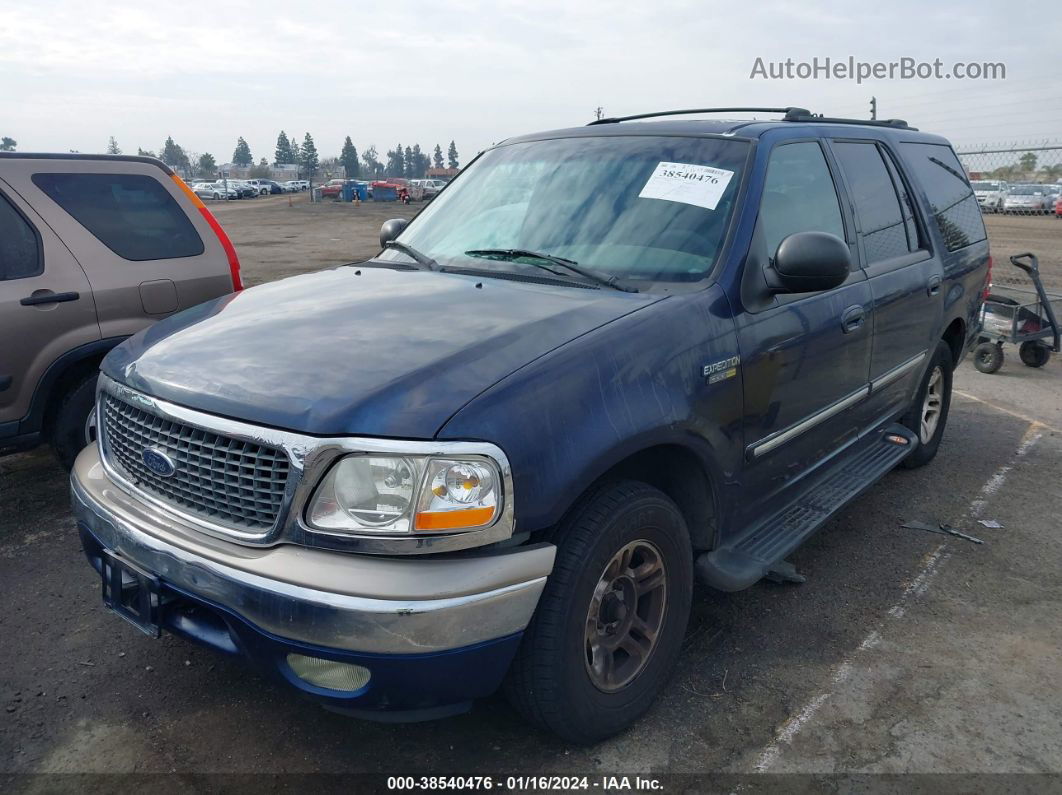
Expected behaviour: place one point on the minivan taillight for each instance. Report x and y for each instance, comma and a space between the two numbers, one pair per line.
988, 281
226, 244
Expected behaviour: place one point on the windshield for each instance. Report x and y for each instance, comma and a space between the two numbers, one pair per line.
984, 186
1026, 190
638, 207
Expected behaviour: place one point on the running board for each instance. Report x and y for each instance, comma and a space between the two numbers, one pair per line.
746, 560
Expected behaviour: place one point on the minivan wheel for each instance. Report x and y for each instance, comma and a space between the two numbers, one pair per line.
928, 414
72, 427
609, 625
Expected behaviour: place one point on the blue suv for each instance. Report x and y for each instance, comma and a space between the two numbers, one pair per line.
601, 363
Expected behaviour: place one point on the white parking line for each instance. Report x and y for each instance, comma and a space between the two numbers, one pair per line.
917, 586
1005, 410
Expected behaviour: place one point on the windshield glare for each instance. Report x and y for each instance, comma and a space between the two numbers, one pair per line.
578, 198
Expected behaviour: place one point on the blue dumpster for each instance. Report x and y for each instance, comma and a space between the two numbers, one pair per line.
384, 193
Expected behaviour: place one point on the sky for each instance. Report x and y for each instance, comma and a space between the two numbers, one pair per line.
72, 74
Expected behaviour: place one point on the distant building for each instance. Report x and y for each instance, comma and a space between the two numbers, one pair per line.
442, 173
234, 171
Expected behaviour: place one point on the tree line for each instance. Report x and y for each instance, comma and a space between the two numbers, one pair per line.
410, 162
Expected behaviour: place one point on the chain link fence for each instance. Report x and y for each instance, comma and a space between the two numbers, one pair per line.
1019, 189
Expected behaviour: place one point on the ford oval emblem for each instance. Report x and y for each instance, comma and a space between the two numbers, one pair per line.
158, 462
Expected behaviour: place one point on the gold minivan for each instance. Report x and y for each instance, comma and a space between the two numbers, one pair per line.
93, 248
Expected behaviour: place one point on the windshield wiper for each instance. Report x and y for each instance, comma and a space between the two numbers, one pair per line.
572, 265
421, 259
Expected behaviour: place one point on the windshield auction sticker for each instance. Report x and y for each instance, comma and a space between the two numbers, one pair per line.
687, 183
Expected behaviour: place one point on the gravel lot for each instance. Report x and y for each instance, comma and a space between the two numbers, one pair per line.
903, 652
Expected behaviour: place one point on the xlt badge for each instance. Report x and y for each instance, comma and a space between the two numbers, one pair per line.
721, 370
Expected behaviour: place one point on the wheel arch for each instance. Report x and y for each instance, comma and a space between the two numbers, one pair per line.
679, 472
955, 337
63, 374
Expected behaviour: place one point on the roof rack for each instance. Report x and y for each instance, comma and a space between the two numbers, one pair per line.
788, 114
817, 117
786, 111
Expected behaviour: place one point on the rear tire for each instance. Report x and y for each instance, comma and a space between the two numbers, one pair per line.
1033, 354
71, 430
928, 415
988, 357
623, 579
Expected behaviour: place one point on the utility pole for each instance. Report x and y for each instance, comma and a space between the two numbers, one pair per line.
599, 112
873, 108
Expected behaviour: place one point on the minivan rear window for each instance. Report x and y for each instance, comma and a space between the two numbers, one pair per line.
950, 196
131, 214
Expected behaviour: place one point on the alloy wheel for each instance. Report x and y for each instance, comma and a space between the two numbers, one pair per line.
626, 615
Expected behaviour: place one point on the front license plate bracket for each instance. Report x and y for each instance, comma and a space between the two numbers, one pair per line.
132, 593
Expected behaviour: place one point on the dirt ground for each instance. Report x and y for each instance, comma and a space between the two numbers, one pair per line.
1016, 234
278, 236
903, 652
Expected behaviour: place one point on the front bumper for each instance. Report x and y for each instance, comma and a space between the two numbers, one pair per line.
433, 632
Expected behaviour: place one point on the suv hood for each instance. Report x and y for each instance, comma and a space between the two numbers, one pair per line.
383, 353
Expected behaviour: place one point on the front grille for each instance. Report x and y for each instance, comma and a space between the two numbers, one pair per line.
226, 481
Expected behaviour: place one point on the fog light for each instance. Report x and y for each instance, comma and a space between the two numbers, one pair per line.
329, 673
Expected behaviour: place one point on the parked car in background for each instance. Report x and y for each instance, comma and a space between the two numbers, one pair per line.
332, 188
1052, 194
990, 194
213, 190
498, 453
262, 186
1058, 207
429, 187
299, 184
93, 248
1026, 199
244, 188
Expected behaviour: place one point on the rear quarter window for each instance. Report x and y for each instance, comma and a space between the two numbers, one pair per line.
20, 254
131, 214
951, 198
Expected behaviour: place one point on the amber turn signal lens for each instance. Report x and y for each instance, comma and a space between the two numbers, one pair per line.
454, 520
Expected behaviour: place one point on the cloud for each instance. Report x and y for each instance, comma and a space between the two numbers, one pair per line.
478, 71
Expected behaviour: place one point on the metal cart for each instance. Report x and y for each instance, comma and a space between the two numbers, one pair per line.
1030, 326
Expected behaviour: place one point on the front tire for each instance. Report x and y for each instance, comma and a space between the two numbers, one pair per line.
928, 414
609, 626
72, 429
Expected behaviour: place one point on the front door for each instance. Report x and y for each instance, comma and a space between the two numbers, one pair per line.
804, 358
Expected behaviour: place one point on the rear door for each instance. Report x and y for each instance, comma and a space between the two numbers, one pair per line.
46, 306
906, 279
147, 250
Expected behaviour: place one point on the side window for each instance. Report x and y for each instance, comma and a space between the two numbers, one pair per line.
915, 240
951, 198
20, 254
131, 214
881, 219
798, 195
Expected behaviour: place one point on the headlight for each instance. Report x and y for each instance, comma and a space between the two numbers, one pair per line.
403, 495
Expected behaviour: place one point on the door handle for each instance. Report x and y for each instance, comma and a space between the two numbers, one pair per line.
49, 298
853, 319
933, 285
